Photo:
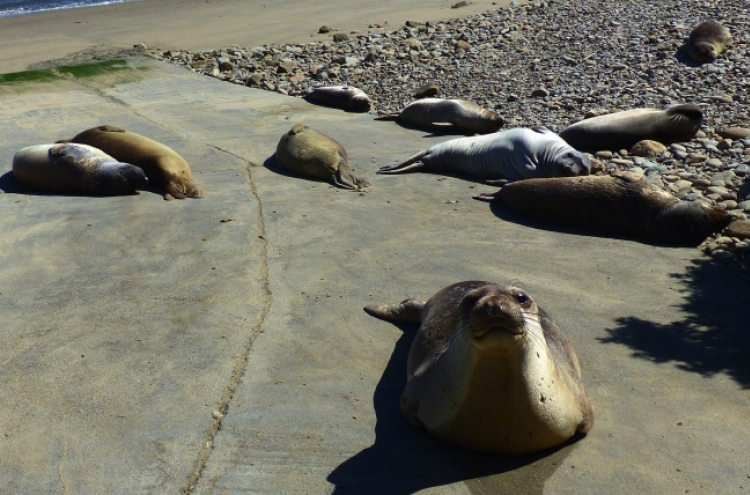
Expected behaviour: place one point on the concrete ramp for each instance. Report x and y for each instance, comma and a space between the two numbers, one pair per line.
219, 345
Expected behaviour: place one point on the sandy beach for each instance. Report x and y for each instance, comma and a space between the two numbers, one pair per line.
185, 24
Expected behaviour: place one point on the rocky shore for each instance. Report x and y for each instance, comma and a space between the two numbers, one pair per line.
550, 63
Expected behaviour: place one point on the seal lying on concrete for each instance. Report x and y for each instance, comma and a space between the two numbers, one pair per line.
163, 166
75, 169
513, 155
448, 115
344, 97
312, 154
707, 40
621, 130
490, 371
621, 205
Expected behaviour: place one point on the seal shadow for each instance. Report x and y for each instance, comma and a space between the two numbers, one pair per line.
713, 337
434, 130
504, 213
405, 459
9, 185
272, 164
682, 56
320, 104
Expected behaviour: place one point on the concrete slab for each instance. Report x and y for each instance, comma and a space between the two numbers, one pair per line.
150, 347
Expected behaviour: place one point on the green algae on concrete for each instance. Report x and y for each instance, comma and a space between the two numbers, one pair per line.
43, 75
79, 71
94, 69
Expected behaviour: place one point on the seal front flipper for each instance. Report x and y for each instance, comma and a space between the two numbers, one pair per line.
409, 165
407, 311
390, 116
489, 197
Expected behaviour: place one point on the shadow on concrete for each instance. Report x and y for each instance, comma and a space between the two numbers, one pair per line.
714, 336
504, 213
405, 459
435, 130
9, 185
272, 164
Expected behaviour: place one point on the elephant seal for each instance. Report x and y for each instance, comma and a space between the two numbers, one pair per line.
75, 169
163, 166
429, 90
621, 130
312, 154
707, 40
345, 97
513, 155
448, 115
621, 205
490, 371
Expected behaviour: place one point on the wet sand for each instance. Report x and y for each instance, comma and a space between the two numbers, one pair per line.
191, 25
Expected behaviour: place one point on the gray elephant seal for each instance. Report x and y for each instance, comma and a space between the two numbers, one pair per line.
163, 166
707, 40
448, 115
490, 371
312, 154
513, 155
622, 205
621, 130
75, 169
344, 97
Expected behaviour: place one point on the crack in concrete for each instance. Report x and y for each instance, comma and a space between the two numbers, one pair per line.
61, 467
240, 365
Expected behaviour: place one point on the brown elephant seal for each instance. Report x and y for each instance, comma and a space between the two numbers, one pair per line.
163, 166
75, 169
621, 205
707, 40
448, 115
621, 130
429, 90
513, 155
312, 154
490, 371
344, 97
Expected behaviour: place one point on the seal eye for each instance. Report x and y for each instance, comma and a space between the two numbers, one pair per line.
522, 299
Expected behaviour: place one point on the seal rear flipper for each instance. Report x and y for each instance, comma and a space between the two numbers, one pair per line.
408, 311
409, 165
344, 179
390, 116
180, 188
